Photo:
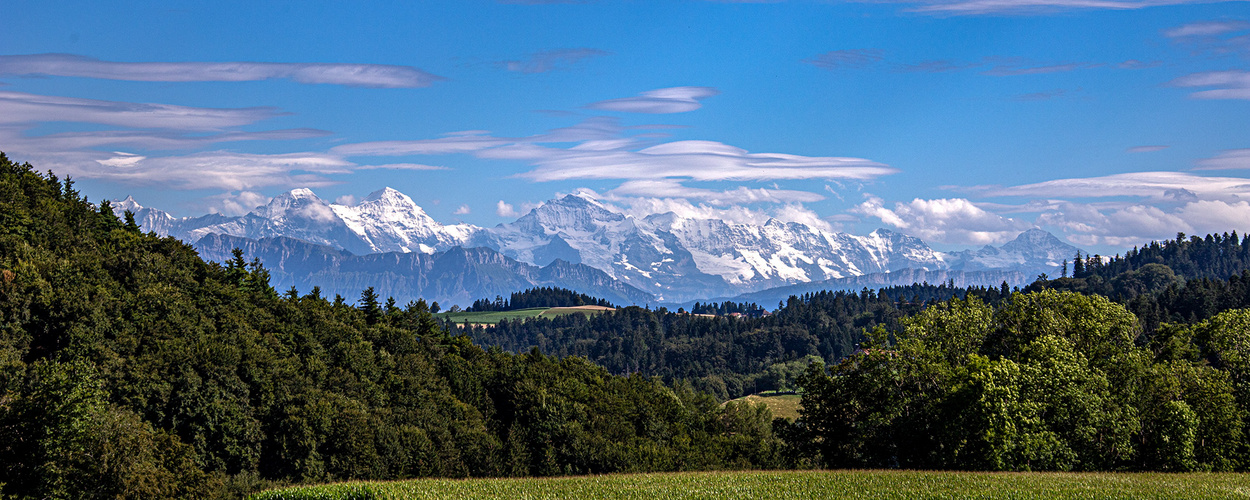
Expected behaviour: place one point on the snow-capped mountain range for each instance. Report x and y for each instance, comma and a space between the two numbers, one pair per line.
672, 257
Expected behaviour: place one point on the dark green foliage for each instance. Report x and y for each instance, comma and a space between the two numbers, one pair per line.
131, 368
1046, 381
728, 356
537, 297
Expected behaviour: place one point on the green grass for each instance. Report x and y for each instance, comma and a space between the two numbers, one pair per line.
491, 317
782, 405
796, 485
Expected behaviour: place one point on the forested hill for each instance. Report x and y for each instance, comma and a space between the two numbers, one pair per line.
1216, 257
731, 357
538, 297
726, 355
131, 368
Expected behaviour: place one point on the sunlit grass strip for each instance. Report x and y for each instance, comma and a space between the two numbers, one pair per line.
795, 485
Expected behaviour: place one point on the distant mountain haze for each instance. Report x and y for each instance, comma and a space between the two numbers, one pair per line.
661, 257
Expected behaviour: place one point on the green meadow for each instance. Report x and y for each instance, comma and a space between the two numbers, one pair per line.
493, 317
857, 484
781, 405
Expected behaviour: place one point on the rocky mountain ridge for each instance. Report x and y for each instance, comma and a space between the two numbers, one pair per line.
668, 256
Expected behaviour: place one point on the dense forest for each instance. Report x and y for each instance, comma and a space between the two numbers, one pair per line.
131, 368
1046, 381
728, 356
537, 297
734, 356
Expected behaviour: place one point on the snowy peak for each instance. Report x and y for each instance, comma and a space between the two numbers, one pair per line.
300, 206
1033, 251
391, 222
127, 204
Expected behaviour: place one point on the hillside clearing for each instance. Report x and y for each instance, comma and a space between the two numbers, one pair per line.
796, 485
494, 317
782, 405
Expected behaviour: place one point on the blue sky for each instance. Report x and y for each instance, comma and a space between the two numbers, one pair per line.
962, 122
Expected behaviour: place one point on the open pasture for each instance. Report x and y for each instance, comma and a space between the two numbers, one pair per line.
858, 484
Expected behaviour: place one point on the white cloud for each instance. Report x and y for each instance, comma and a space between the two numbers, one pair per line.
225, 170
23, 108
505, 210
1232, 159
669, 188
401, 166
642, 206
354, 75
1145, 149
121, 160
1139, 224
551, 60
1160, 186
659, 101
949, 220
234, 204
1206, 28
695, 160
346, 200
1232, 84
1215, 216
456, 143
14, 139
463, 210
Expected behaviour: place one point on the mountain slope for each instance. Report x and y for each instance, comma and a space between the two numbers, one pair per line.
457, 275
672, 257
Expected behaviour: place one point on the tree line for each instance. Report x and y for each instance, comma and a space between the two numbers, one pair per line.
131, 368
537, 297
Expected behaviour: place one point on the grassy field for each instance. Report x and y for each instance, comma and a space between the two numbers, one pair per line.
493, 317
797, 485
782, 405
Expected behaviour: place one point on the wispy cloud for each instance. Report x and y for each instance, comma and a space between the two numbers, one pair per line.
23, 108
938, 66
1024, 7
659, 101
223, 170
1232, 159
353, 75
1017, 68
1145, 149
458, 143
694, 160
1215, 38
602, 149
401, 166
670, 188
1232, 84
551, 60
463, 210
846, 59
1206, 29
239, 203
13, 138
1160, 186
